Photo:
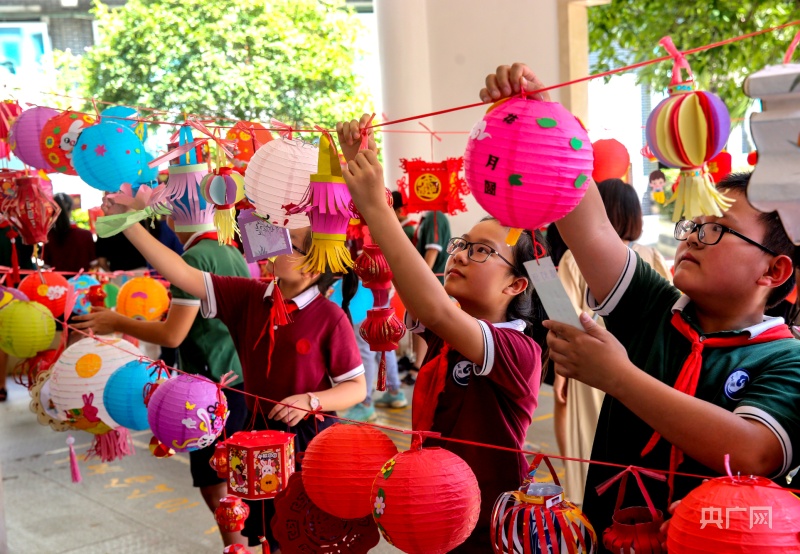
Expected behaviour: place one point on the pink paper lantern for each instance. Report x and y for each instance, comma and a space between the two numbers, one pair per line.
187, 412
25, 133
528, 162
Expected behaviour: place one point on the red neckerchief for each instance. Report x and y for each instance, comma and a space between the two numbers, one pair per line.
430, 384
278, 315
690, 372
211, 235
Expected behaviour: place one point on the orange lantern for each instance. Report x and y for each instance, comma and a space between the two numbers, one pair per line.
340, 465
143, 298
434, 186
259, 463
231, 513
48, 289
611, 160
249, 137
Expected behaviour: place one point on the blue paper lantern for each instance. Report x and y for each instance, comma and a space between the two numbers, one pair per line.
360, 303
81, 284
124, 395
106, 156
122, 115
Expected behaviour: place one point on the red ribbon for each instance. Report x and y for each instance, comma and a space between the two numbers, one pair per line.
284, 130
678, 59
365, 133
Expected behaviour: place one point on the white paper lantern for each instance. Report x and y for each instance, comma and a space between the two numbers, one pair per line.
277, 175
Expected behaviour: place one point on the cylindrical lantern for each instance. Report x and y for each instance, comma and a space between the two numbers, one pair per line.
123, 396
24, 136
382, 330
340, 465
48, 289
31, 212
143, 298
59, 137
747, 515
81, 284
224, 188
108, 155
426, 501
231, 513
611, 160
249, 137
528, 162
277, 176
187, 412
219, 461
26, 328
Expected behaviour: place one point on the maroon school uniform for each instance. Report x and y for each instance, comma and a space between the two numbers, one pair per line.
491, 404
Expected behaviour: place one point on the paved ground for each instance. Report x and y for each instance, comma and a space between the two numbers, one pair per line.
138, 505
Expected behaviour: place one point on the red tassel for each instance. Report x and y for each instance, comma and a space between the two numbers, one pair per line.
14, 277
382, 373
278, 314
264, 545
113, 445
74, 469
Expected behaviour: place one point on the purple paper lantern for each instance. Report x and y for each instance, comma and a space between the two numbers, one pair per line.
187, 412
25, 134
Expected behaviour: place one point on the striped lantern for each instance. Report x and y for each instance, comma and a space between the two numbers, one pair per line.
25, 133
224, 188
26, 328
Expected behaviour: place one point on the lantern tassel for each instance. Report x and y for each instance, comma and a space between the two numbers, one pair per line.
74, 469
225, 222
113, 445
382, 373
697, 195
327, 250
513, 236
13, 279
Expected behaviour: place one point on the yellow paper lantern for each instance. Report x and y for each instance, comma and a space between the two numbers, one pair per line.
26, 328
143, 298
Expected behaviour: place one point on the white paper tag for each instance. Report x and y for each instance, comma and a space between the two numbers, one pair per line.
551, 292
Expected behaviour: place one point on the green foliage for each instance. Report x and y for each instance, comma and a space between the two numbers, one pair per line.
627, 31
244, 59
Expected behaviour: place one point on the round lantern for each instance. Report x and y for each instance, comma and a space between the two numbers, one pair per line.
611, 160
9, 294
58, 139
528, 162
80, 286
31, 211
121, 115
187, 412
340, 465
426, 501
278, 175
25, 133
123, 396
752, 513
143, 298
48, 289
223, 188
249, 137
108, 155
231, 513
26, 328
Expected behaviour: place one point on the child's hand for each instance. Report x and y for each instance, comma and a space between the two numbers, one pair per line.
349, 133
101, 320
364, 178
506, 82
110, 207
289, 413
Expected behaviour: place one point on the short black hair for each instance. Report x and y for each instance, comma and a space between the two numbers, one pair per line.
397, 199
657, 174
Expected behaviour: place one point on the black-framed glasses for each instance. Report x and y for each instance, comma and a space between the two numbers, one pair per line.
476, 251
711, 233
298, 250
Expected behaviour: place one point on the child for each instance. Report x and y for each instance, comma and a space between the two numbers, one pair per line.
747, 372
490, 381
296, 363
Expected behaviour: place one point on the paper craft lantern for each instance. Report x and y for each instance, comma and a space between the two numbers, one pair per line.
433, 186
26, 328
59, 137
108, 155
48, 289
120, 115
277, 176
9, 111
81, 285
259, 463
187, 412
231, 514
426, 501
143, 298
123, 395
528, 163
611, 160
223, 188
249, 137
340, 465
24, 136
219, 461
31, 212
301, 526
8, 190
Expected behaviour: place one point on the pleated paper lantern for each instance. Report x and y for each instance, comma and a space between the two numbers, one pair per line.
746, 515
340, 465
80, 286
25, 133
187, 412
426, 501
611, 160
120, 115
223, 188
123, 396
108, 155
143, 298
383, 331
48, 289
32, 211
249, 138
9, 294
231, 514
59, 137
528, 163
26, 328
277, 176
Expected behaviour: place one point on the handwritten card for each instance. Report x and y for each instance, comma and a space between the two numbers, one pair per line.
551, 292
261, 239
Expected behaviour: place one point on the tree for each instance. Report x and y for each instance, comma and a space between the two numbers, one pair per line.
244, 59
628, 31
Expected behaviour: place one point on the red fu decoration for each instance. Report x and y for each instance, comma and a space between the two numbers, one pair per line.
259, 463
231, 513
382, 329
219, 460
31, 212
434, 186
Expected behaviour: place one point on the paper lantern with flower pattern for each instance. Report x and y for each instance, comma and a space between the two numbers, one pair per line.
59, 137
248, 137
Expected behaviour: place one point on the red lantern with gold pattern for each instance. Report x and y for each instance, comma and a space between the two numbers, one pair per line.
31, 211
231, 513
219, 460
374, 271
434, 186
382, 330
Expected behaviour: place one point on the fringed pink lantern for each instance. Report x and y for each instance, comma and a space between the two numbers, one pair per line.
24, 136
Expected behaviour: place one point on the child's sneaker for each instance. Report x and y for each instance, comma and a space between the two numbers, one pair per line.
389, 400
360, 412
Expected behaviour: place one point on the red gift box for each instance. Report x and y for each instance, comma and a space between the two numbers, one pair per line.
259, 463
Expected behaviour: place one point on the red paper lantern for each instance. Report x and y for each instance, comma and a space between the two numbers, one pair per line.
373, 269
746, 515
59, 136
31, 211
231, 513
48, 289
259, 463
382, 330
219, 460
435, 186
426, 501
611, 160
340, 465
249, 137
720, 166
